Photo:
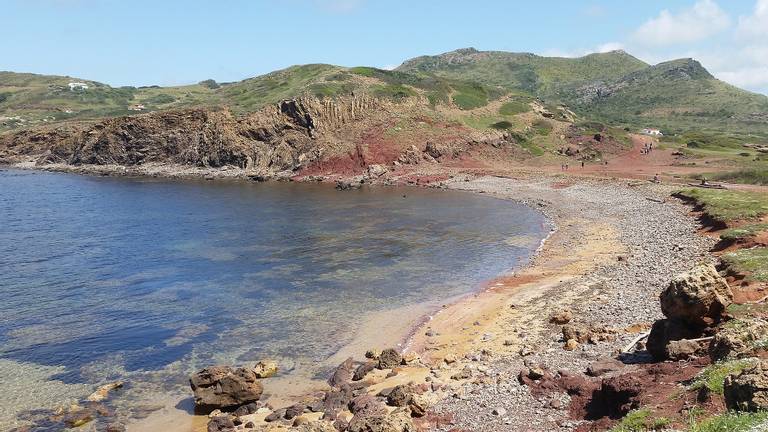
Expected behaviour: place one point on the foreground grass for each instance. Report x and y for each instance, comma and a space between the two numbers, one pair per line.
731, 422
640, 421
712, 376
753, 262
729, 206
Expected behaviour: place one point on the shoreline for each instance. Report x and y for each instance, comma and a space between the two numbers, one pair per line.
465, 333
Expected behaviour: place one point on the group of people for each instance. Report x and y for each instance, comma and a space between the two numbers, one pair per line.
647, 148
565, 166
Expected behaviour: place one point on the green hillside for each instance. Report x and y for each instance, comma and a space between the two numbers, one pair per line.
614, 87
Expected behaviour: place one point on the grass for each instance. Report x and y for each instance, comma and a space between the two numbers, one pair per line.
514, 107
744, 231
729, 206
542, 127
756, 176
640, 421
730, 422
753, 262
712, 376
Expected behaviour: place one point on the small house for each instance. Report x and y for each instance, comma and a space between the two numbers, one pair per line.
652, 132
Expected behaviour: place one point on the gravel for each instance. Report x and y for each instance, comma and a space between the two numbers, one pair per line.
660, 241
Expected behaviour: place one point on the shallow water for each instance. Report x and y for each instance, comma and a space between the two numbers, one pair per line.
147, 280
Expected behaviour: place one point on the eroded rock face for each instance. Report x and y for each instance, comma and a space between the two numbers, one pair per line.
697, 297
224, 387
748, 390
738, 338
389, 359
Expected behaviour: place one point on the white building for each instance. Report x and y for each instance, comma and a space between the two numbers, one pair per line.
652, 132
78, 86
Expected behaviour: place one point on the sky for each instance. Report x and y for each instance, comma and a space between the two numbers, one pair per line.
172, 42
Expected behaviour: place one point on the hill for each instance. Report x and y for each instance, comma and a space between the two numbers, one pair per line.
614, 87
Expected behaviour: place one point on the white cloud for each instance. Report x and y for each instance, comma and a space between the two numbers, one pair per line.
755, 25
748, 77
610, 46
703, 20
602, 48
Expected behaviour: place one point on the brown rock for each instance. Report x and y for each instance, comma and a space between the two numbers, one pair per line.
603, 367
698, 297
397, 421
343, 373
224, 387
265, 369
562, 317
665, 331
221, 424
570, 345
748, 390
390, 359
738, 338
400, 396
363, 370
684, 349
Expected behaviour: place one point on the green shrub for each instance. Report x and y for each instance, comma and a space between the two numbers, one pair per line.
513, 108
640, 421
731, 422
712, 376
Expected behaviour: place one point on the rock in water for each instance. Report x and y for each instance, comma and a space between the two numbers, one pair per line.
224, 387
265, 369
698, 297
390, 359
103, 392
343, 373
748, 390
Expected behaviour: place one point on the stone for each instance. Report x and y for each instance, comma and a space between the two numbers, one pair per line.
340, 424
665, 331
363, 370
78, 417
465, 373
245, 409
697, 297
367, 404
275, 415
738, 338
372, 354
562, 317
343, 373
221, 424
418, 405
570, 345
294, 411
102, 392
224, 387
397, 421
535, 373
499, 412
683, 349
603, 367
314, 426
265, 369
115, 427
376, 170
747, 390
583, 333
390, 359
400, 396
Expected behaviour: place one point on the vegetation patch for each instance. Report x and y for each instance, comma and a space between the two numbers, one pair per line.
542, 127
744, 231
753, 262
514, 107
712, 376
728, 206
502, 125
747, 176
730, 422
470, 96
641, 420
395, 92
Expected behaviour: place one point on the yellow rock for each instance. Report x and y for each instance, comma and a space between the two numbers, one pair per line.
571, 345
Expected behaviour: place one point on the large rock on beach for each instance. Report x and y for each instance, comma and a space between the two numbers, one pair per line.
343, 373
738, 338
224, 387
697, 297
397, 421
666, 331
747, 390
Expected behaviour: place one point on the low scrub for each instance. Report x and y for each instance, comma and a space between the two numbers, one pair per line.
745, 176
514, 108
731, 422
744, 231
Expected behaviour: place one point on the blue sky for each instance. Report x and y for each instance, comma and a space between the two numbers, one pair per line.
168, 42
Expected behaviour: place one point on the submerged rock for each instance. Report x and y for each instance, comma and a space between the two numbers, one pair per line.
265, 369
224, 387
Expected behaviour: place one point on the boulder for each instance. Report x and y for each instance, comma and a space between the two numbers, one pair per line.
665, 331
224, 387
265, 369
684, 349
366, 404
582, 333
400, 396
738, 337
562, 317
604, 366
376, 170
397, 421
390, 359
697, 297
418, 405
316, 426
363, 370
343, 373
747, 390
294, 411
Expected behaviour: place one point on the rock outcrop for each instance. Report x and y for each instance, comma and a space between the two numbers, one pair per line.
748, 390
224, 387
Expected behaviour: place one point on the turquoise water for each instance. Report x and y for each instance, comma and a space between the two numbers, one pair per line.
147, 280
